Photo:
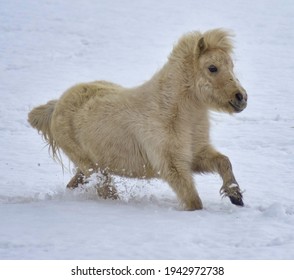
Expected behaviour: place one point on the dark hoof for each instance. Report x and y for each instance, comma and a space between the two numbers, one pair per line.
237, 200
234, 193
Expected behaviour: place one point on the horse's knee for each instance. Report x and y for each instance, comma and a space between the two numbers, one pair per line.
223, 163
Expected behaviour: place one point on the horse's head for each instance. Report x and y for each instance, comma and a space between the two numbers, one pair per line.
217, 86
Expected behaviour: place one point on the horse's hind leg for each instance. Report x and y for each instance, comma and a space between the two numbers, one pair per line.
76, 180
105, 188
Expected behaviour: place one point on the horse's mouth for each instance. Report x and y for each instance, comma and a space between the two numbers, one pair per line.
237, 107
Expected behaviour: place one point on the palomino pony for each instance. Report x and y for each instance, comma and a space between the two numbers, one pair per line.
157, 130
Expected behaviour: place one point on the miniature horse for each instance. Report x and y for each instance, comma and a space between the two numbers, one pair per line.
159, 129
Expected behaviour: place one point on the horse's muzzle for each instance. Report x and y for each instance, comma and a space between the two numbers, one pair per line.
239, 103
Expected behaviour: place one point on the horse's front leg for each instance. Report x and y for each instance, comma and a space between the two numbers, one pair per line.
210, 160
180, 180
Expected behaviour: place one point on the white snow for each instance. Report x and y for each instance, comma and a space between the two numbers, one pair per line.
47, 46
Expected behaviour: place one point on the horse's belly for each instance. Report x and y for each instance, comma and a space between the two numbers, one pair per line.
113, 148
123, 162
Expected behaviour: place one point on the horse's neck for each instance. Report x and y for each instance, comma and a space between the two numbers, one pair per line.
165, 84
167, 91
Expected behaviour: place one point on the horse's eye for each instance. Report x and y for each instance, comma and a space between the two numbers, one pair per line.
212, 68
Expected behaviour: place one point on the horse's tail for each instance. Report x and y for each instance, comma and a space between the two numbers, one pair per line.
40, 119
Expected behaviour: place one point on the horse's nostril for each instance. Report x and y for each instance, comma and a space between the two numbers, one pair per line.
239, 96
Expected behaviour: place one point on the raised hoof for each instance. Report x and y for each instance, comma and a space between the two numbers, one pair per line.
233, 192
236, 200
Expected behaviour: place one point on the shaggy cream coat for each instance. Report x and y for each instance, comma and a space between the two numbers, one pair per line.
157, 130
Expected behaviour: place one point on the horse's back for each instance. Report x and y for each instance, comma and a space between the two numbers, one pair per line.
77, 96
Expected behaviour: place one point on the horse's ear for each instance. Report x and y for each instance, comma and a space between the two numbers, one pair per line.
201, 45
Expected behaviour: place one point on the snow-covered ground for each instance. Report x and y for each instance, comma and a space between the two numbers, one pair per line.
47, 46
